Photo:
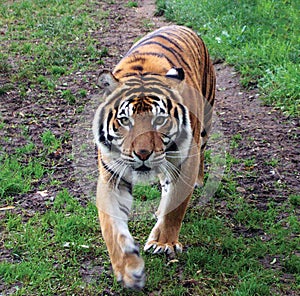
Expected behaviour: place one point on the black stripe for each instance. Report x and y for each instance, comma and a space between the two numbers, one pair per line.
124, 211
172, 147
177, 55
118, 71
154, 98
133, 93
186, 42
150, 53
123, 208
133, 81
129, 74
128, 186
184, 122
152, 36
136, 59
169, 105
176, 115
137, 68
203, 146
169, 40
109, 117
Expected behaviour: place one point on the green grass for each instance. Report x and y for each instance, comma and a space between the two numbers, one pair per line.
16, 178
132, 4
260, 38
49, 38
51, 251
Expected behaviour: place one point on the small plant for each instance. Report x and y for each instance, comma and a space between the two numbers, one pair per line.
249, 163
58, 70
235, 141
5, 67
15, 177
295, 200
82, 93
148, 24
4, 89
272, 162
69, 97
104, 52
50, 141
28, 148
131, 4
160, 7
146, 192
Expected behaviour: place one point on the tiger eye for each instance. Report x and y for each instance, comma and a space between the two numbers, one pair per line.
159, 120
124, 121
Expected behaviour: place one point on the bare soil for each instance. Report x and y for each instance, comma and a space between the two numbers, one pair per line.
266, 133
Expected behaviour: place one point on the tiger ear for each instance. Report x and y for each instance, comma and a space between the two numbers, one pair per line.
107, 81
176, 73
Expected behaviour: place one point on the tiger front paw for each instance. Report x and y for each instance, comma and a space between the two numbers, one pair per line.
131, 271
158, 247
163, 240
128, 265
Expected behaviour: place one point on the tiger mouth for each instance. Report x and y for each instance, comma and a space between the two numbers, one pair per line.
143, 168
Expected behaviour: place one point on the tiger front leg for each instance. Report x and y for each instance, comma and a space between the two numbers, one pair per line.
175, 196
164, 236
113, 209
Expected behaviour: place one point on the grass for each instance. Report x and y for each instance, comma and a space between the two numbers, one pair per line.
52, 252
231, 246
260, 38
49, 38
132, 4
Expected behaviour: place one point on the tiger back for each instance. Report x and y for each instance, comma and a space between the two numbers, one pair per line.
175, 47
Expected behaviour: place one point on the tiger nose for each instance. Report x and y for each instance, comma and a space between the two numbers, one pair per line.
143, 154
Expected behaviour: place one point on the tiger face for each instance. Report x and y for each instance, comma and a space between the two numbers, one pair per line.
145, 133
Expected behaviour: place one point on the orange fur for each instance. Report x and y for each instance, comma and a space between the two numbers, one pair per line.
149, 61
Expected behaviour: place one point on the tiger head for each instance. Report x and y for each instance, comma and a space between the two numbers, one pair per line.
142, 129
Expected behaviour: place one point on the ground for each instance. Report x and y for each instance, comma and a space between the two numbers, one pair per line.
263, 133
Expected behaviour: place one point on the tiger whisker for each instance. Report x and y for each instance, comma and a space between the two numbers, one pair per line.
115, 166
180, 155
120, 176
179, 174
165, 172
171, 172
185, 149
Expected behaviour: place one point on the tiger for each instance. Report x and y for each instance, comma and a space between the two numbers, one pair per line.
152, 123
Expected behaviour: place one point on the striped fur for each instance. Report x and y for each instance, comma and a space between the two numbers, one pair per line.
154, 123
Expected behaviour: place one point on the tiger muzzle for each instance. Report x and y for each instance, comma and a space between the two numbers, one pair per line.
144, 147
143, 154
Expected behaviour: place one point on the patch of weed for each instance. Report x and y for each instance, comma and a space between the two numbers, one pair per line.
16, 177
50, 141
49, 248
131, 4
295, 200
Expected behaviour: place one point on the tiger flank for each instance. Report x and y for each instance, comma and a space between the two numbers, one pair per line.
153, 125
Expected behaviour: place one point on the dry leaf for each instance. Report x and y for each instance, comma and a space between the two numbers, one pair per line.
7, 208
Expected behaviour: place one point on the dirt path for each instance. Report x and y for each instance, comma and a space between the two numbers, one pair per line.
265, 136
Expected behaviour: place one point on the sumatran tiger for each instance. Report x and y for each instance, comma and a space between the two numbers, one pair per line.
153, 122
